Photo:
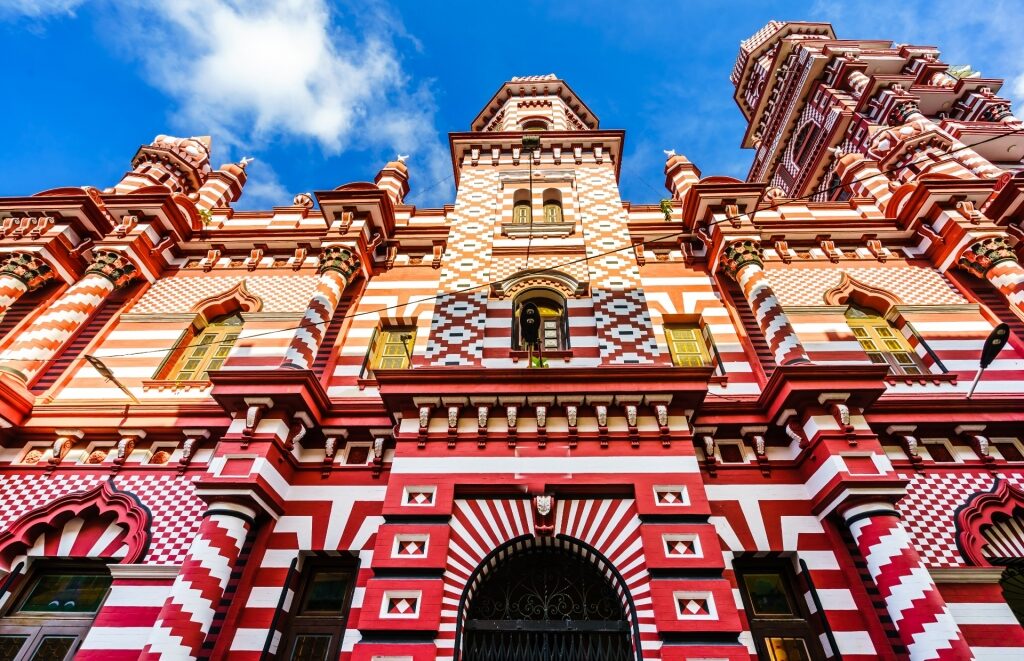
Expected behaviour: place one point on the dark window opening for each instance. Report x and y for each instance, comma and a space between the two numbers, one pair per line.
777, 611
554, 323
53, 613
317, 623
803, 145
940, 452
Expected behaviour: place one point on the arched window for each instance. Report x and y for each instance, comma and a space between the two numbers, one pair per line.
522, 207
208, 350
803, 144
883, 343
554, 324
552, 206
534, 125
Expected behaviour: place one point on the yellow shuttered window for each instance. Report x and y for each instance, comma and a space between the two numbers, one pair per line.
208, 350
883, 344
392, 348
686, 344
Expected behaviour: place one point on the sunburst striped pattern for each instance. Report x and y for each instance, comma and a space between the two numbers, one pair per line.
48, 334
921, 617
611, 527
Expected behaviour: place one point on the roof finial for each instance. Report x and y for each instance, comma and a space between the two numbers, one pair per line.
669, 153
245, 160
401, 158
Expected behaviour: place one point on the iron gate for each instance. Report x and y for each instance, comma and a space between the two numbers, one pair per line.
546, 604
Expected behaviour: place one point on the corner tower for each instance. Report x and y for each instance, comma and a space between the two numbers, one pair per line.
810, 99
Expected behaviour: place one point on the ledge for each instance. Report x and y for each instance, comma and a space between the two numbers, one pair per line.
967, 575
921, 379
538, 230
170, 384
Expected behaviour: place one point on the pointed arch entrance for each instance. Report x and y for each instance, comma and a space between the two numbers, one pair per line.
540, 599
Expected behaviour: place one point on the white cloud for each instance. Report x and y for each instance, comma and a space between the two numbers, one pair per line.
262, 72
39, 8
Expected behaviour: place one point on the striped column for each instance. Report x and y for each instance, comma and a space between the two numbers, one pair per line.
337, 264
992, 258
49, 334
742, 261
21, 272
187, 614
918, 611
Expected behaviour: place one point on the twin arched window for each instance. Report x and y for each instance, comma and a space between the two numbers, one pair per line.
522, 207
803, 144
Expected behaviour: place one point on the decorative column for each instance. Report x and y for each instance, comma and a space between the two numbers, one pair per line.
21, 272
187, 614
393, 179
222, 187
992, 258
915, 605
863, 178
337, 265
742, 261
49, 334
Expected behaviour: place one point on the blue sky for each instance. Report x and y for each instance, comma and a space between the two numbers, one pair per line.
323, 93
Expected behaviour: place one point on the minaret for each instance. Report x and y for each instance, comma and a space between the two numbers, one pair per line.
810, 99
180, 164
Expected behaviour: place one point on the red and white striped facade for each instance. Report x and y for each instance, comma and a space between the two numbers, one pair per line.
889, 495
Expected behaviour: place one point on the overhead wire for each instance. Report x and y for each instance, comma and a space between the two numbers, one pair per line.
555, 267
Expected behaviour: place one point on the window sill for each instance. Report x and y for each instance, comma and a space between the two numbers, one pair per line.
537, 230
921, 379
170, 384
565, 354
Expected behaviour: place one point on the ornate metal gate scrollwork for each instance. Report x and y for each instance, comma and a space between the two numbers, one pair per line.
546, 604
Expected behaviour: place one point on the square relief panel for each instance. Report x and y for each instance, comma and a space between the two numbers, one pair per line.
410, 546
682, 545
671, 495
694, 605
419, 496
400, 604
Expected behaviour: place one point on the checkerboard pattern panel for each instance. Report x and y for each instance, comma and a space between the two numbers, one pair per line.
279, 293
176, 514
24, 493
928, 512
914, 285
624, 329
457, 330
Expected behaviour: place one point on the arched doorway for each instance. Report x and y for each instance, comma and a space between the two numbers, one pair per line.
546, 599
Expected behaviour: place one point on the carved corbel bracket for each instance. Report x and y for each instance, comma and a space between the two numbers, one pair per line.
126, 445
542, 425
572, 412
66, 439
301, 424
331, 444
193, 437
255, 408
707, 442
544, 515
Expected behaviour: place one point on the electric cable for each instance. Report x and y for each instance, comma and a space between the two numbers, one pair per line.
554, 267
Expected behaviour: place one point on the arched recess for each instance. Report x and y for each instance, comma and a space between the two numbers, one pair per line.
990, 526
236, 299
850, 290
556, 281
592, 565
102, 522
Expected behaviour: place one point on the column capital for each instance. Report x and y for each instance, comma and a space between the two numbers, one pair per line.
740, 253
112, 265
27, 267
340, 259
985, 253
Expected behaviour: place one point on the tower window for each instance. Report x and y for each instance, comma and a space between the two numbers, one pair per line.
535, 125
803, 145
522, 207
554, 325
687, 346
392, 348
883, 344
552, 206
208, 350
